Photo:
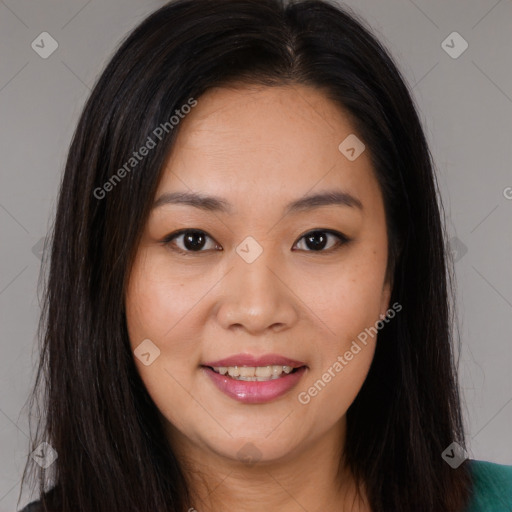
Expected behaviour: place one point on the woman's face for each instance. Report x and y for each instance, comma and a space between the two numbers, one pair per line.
262, 284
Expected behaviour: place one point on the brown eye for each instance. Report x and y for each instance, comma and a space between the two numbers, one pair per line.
316, 241
189, 240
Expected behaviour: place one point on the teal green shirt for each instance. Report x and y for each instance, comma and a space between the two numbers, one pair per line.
492, 491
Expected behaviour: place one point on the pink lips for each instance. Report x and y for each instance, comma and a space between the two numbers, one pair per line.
255, 392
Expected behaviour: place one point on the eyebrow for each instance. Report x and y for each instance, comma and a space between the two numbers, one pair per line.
217, 204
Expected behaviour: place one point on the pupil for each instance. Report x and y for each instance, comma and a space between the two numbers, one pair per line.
312, 240
189, 240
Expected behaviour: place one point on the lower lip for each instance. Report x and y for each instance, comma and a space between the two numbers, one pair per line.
255, 392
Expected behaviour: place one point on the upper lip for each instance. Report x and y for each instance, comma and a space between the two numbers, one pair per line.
250, 360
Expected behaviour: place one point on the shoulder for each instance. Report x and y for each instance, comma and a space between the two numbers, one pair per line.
492, 487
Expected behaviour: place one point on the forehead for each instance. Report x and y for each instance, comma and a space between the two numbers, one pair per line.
267, 140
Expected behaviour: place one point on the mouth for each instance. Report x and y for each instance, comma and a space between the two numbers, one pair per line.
253, 380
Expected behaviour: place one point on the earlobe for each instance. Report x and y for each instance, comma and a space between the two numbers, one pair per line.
386, 297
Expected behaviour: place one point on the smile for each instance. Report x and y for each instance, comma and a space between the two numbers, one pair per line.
249, 387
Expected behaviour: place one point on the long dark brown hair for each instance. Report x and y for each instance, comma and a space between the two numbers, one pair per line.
91, 405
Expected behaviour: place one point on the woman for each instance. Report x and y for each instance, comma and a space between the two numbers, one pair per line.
247, 304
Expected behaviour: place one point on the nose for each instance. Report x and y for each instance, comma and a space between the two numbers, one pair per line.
256, 297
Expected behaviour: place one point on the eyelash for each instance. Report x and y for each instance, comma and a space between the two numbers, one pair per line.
342, 240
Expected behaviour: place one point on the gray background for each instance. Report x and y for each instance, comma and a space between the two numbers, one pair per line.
465, 104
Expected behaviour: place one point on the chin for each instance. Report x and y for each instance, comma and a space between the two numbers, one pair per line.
252, 450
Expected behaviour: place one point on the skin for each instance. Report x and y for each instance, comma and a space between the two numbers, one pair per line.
260, 148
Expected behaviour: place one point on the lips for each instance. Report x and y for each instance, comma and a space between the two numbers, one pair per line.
255, 390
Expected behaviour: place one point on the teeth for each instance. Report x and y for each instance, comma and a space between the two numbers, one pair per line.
246, 371
263, 371
254, 373
277, 370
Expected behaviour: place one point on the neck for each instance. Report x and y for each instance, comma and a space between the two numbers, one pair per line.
310, 479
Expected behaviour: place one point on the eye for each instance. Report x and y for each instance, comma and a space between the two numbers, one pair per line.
316, 240
194, 240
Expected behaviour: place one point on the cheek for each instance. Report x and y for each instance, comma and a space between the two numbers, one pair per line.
154, 312
346, 299
347, 305
347, 309
328, 394
158, 300
157, 305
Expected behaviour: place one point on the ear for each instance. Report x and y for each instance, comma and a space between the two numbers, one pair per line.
386, 296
